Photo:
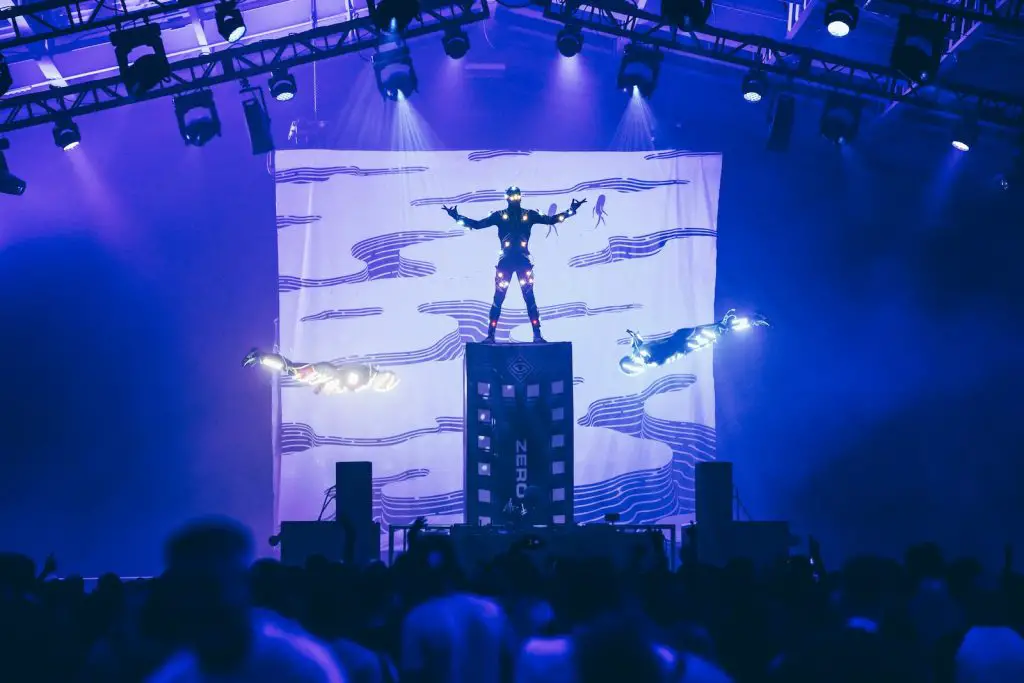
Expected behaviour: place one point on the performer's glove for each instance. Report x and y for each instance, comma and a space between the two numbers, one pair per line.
575, 205
452, 211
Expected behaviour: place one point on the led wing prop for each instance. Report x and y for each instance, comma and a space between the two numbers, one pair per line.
647, 354
326, 378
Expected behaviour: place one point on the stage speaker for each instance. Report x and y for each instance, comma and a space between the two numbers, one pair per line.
713, 494
353, 505
519, 434
300, 540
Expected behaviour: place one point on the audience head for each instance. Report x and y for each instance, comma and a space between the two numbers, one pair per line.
616, 649
205, 590
17, 574
431, 569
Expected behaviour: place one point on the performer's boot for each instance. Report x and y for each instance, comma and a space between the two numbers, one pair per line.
532, 311
492, 324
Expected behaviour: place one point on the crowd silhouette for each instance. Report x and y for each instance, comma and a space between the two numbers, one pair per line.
525, 617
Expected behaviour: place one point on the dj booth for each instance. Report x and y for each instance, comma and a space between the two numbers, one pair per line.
626, 546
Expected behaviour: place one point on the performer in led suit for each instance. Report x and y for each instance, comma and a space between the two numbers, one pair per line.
514, 226
644, 354
326, 378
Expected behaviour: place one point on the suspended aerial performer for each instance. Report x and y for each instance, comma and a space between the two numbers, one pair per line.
326, 378
644, 354
514, 225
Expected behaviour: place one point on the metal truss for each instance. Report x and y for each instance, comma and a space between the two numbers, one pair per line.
796, 66
233, 64
962, 14
52, 19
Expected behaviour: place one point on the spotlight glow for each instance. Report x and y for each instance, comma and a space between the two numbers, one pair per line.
961, 146
752, 96
838, 28
272, 362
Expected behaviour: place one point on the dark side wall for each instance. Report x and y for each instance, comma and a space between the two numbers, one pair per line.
883, 407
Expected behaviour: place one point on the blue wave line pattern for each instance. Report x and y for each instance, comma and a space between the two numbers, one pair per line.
576, 381
297, 437
645, 496
449, 347
397, 510
305, 175
401, 510
623, 185
292, 221
290, 283
383, 258
342, 314
496, 153
676, 154
473, 316
622, 248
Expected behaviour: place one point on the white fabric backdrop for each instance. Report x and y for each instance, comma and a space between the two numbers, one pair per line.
372, 269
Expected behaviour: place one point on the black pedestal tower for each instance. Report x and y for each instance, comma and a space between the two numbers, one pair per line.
519, 434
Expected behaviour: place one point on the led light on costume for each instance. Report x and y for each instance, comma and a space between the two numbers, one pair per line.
514, 224
647, 354
326, 378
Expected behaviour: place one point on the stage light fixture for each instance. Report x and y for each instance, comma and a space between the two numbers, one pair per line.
9, 183
6, 78
917, 51
639, 69
686, 15
282, 85
396, 77
569, 41
754, 86
455, 42
66, 134
141, 58
841, 17
965, 134
393, 16
230, 23
257, 119
198, 120
840, 120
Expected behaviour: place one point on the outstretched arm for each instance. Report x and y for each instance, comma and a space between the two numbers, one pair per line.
470, 223
559, 217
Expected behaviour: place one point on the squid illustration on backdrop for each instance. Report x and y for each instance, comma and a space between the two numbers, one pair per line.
326, 378
644, 355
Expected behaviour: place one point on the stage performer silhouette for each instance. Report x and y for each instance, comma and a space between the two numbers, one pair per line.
514, 225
